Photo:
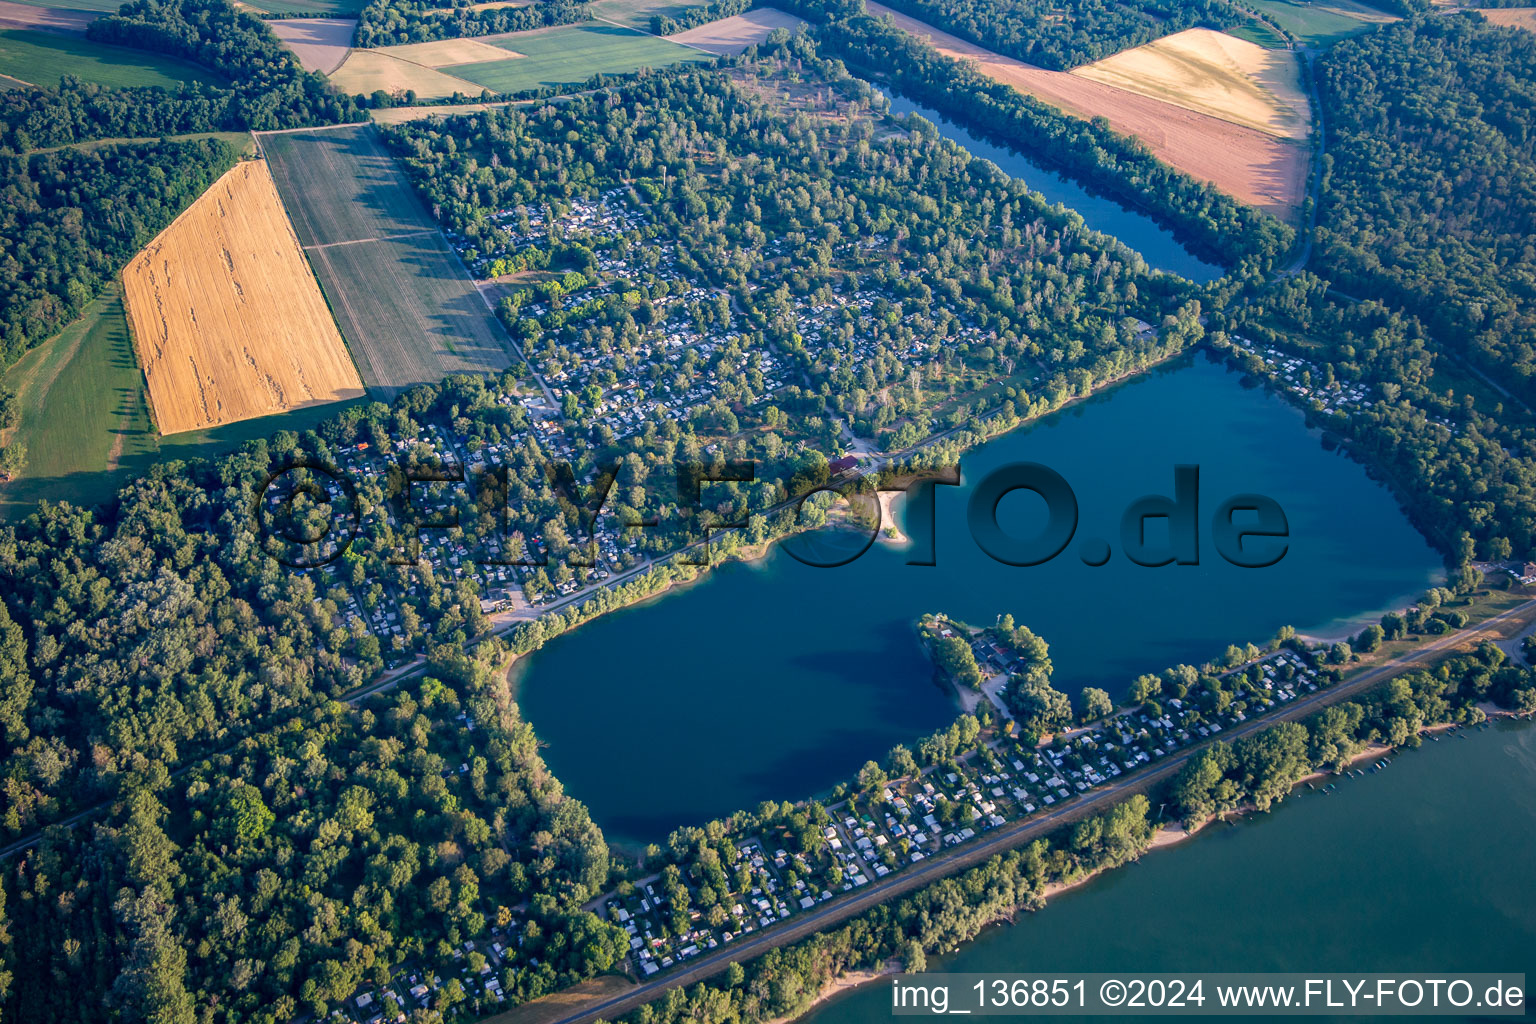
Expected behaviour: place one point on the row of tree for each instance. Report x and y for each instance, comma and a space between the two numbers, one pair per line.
396, 22
264, 88
70, 219
1260, 769
1062, 35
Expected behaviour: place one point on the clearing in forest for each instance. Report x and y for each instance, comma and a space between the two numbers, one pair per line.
321, 44
571, 54
1213, 73
368, 71
227, 320
443, 52
1252, 166
1320, 22
1512, 17
730, 36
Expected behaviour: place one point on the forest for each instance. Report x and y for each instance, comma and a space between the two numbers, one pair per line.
274, 878
71, 219
1464, 468
1431, 183
396, 22
693, 17
268, 89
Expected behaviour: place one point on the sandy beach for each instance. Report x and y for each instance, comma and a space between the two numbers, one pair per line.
844, 982
890, 529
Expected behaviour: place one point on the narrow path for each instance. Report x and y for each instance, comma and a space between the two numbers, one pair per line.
381, 238
1304, 254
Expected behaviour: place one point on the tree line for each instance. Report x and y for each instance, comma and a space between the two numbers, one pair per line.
266, 88
395, 22
1260, 769
1061, 36
71, 219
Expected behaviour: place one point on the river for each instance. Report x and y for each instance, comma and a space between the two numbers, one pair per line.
776, 679
1423, 867
1101, 213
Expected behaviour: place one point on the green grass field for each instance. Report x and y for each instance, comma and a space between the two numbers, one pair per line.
82, 409
1317, 23
1260, 33
86, 424
571, 55
405, 305
42, 57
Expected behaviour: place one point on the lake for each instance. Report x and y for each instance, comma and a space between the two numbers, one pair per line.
1421, 868
777, 679
1101, 213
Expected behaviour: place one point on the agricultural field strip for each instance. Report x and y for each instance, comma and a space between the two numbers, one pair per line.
405, 312
1216, 74
653, 35
210, 349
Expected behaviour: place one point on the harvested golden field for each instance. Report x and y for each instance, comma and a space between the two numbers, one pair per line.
228, 322
1213, 73
444, 52
730, 36
1512, 17
368, 70
1247, 164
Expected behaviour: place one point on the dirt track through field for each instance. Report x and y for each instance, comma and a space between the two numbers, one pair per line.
1247, 164
228, 322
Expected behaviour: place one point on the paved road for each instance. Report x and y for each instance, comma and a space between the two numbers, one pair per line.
1004, 838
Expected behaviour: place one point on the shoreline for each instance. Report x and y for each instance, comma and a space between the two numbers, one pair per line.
845, 982
1167, 835
505, 622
